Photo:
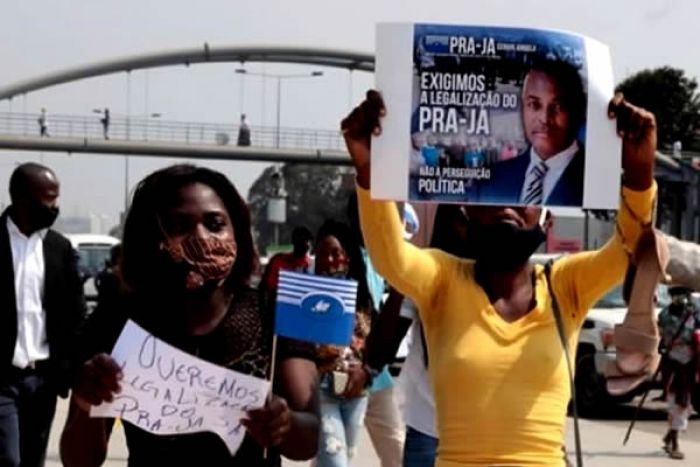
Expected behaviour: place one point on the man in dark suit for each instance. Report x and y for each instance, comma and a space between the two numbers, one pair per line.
41, 308
551, 170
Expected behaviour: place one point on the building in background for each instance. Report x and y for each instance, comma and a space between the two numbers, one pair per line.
679, 195
84, 224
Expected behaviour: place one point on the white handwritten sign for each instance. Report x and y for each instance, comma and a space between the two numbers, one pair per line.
167, 391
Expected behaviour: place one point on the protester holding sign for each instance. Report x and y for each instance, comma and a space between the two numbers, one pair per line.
497, 365
343, 400
390, 327
188, 257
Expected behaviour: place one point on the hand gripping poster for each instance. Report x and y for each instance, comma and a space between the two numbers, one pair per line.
494, 115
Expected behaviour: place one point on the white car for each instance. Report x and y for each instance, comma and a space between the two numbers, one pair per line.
596, 345
94, 251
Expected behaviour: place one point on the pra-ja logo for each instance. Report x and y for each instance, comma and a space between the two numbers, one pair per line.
324, 304
321, 306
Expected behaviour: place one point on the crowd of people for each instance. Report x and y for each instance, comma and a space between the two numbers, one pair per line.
462, 151
486, 379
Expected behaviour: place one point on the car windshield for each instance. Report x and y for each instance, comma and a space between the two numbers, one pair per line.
613, 299
92, 258
662, 295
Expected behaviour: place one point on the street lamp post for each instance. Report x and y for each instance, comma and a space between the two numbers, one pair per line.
126, 158
279, 78
147, 118
126, 184
276, 207
277, 203
279, 112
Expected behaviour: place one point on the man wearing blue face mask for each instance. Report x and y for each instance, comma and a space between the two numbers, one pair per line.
41, 307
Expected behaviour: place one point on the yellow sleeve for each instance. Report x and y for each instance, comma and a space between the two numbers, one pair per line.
412, 271
580, 280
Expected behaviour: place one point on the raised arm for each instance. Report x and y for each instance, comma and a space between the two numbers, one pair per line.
586, 277
412, 271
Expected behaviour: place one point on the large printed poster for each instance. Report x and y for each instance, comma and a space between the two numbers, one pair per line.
492, 115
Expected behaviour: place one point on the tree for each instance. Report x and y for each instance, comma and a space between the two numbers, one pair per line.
673, 98
314, 193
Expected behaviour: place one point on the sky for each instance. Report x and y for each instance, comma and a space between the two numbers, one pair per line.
39, 36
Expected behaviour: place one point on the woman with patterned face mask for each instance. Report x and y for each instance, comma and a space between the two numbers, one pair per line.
343, 406
187, 260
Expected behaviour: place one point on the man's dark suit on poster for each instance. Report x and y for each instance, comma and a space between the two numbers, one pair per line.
507, 178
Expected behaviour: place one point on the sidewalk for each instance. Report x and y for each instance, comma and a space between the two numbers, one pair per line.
602, 444
118, 454
601, 439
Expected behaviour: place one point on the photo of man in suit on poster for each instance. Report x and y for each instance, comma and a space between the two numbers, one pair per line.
551, 170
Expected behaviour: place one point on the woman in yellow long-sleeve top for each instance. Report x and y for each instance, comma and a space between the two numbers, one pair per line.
497, 366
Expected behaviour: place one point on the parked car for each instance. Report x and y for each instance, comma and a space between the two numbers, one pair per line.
93, 251
596, 345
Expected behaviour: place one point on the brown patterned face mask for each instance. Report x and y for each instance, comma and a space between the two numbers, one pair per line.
209, 259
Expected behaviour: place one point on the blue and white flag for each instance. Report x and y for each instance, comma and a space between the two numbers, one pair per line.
315, 308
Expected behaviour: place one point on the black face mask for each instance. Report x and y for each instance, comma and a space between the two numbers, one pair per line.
503, 246
678, 305
43, 216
